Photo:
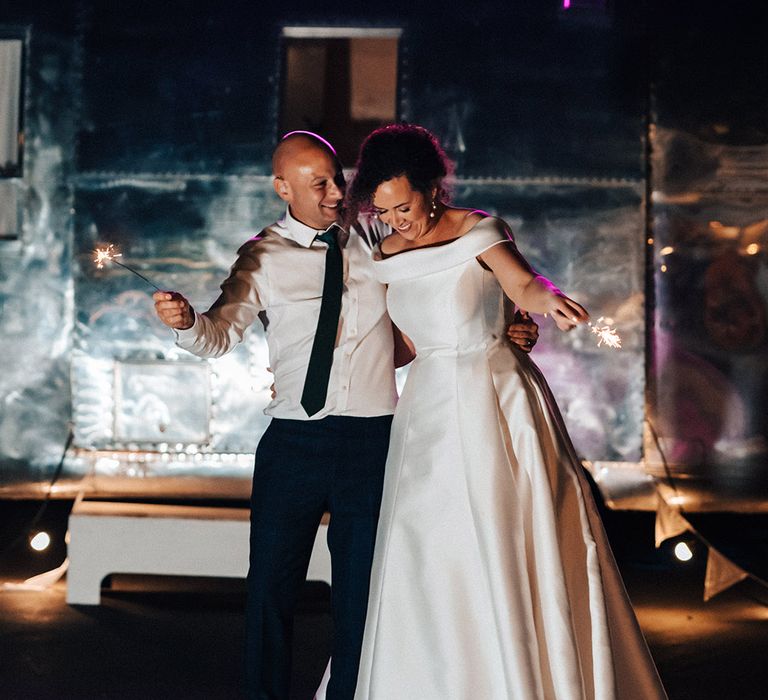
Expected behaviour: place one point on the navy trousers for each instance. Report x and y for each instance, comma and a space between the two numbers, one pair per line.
302, 469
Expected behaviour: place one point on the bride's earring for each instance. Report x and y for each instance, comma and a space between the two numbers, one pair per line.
434, 209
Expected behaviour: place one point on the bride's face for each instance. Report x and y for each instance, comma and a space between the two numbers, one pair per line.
406, 210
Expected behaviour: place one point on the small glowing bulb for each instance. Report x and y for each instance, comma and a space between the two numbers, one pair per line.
667, 250
40, 541
683, 551
752, 249
663, 268
650, 241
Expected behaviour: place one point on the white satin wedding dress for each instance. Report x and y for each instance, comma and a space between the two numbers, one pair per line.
492, 576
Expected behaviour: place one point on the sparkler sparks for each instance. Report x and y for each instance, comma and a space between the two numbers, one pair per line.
605, 334
105, 255
603, 330
101, 256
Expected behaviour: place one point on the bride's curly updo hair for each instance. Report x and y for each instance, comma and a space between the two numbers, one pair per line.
393, 151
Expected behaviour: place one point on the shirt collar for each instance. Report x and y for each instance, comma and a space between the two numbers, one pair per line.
301, 233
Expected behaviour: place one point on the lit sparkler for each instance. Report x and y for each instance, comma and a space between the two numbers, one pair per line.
605, 334
101, 256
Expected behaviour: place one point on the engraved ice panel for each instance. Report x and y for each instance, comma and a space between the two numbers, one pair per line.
162, 402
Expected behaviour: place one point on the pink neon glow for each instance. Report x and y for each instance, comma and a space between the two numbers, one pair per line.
566, 4
313, 135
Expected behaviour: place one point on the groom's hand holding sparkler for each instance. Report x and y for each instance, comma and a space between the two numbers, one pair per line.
174, 310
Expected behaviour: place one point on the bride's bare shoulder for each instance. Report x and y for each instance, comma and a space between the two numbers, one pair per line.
391, 244
465, 219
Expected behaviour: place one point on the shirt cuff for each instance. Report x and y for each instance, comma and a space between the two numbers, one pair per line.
186, 337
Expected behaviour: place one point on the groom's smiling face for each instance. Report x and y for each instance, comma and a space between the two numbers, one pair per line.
312, 183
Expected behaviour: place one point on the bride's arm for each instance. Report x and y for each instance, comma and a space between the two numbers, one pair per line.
529, 290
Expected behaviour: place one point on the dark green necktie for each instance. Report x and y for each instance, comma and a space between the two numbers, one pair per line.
320, 360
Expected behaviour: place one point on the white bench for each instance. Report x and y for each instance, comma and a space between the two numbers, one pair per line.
135, 538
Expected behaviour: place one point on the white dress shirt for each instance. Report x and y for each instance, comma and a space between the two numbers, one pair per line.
278, 277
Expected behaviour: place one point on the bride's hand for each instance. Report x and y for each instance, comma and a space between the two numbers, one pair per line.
566, 313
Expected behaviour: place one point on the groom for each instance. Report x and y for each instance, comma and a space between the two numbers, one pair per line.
333, 351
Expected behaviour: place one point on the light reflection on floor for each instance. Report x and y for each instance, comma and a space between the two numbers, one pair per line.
703, 650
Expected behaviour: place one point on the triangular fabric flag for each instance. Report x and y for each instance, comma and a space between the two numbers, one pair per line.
721, 573
669, 522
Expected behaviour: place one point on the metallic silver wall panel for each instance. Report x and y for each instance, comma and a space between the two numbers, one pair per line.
707, 436
11, 198
710, 403
686, 166
182, 234
36, 292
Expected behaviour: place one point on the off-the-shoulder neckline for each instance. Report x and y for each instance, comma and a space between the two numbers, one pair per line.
380, 256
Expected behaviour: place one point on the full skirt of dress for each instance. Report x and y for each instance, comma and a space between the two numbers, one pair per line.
492, 576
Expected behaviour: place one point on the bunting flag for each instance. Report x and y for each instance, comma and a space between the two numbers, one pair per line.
669, 522
721, 574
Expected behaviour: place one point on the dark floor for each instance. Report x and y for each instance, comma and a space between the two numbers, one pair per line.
162, 637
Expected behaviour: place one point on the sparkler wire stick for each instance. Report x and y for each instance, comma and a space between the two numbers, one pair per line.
138, 274
108, 254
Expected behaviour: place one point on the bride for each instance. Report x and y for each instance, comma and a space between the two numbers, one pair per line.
492, 576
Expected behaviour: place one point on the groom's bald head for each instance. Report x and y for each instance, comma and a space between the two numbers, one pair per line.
296, 146
307, 175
